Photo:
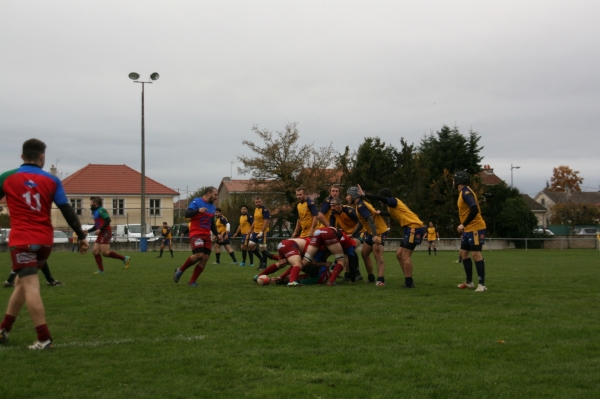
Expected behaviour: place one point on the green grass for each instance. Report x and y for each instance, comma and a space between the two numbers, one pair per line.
135, 333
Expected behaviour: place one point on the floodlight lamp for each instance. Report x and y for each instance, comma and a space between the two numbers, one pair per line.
155, 76
134, 76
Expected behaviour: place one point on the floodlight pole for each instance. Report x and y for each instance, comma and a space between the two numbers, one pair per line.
511, 173
143, 238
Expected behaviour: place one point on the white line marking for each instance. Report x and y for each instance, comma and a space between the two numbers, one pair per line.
124, 341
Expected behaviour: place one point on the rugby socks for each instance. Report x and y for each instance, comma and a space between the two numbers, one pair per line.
244, 254
98, 259
8, 322
408, 281
12, 276
197, 271
295, 273
337, 269
43, 333
286, 273
47, 274
371, 278
260, 259
468, 265
115, 255
429, 250
188, 262
160, 256
271, 269
251, 257
381, 278
480, 266
218, 256
435, 251
232, 254
171, 251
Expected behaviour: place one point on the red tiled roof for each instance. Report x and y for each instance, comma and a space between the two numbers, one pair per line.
489, 178
236, 186
112, 180
181, 204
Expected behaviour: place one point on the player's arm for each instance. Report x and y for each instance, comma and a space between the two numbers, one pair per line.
375, 197
239, 230
425, 235
315, 218
321, 216
266, 216
473, 209
213, 228
72, 220
332, 220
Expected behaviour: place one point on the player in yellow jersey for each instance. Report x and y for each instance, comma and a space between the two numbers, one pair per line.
375, 235
431, 235
325, 211
412, 226
167, 239
344, 217
224, 229
307, 215
245, 228
260, 228
473, 229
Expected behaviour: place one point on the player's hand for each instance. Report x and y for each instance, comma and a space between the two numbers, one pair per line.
378, 212
83, 246
203, 209
376, 240
360, 190
259, 235
460, 228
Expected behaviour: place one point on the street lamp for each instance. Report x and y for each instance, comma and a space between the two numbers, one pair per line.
511, 173
143, 239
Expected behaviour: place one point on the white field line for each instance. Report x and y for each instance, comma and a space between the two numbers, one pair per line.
124, 341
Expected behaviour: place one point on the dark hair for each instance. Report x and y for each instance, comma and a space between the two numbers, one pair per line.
336, 201
244, 206
33, 149
165, 223
301, 189
209, 190
218, 210
97, 200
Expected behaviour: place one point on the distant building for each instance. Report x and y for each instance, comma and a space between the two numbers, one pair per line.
550, 198
119, 186
539, 210
488, 178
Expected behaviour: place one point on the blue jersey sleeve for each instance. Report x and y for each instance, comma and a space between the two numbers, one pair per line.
468, 197
266, 214
326, 206
250, 219
331, 219
223, 220
194, 204
352, 214
362, 210
392, 202
312, 207
60, 197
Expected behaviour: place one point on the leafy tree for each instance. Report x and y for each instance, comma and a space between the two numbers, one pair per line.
280, 165
564, 178
5, 221
493, 202
516, 221
574, 214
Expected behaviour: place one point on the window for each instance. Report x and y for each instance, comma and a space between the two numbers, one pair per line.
154, 207
118, 207
543, 201
76, 205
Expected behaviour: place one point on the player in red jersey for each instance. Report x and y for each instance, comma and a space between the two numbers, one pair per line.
104, 235
337, 243
29, 195
201, 211
289, 252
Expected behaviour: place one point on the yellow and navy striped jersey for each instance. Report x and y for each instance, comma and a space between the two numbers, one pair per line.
245, 223
166, 233
400, 212
363, 211
221, 223
466, 200
346, 220
306, 211
261, 215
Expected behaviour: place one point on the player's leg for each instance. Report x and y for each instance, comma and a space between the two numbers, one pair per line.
296, 262
200, 266
378, 253
15, 303
106, 252
231, 253
408, 267
366, 255
98, 258
340, 261
35, 306
162, 248
171, 248
51, 281
217, 254
465, 249
478, 239
10, 281
197, 246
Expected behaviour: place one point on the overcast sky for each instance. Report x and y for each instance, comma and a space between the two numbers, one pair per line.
523, 74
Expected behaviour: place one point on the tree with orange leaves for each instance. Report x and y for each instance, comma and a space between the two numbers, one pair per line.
564, 178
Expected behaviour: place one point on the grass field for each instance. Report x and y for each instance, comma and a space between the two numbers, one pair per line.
134, 333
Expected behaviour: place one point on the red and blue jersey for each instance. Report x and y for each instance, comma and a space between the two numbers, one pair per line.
29, 195
202, 221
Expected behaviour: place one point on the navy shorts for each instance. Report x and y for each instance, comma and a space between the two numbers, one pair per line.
473, 240
412, 237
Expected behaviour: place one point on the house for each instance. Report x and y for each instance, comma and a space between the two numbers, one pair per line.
119, 186
230, 188
488, 178
539, 210
550, 198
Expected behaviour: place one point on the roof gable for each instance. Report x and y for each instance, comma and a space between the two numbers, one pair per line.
533, 205
112, 180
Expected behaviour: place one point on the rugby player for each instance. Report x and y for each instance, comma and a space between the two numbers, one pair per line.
201, 211
167, 239
344, 217
338, 243
29, 195
307, 215
244, 229
260, 227
325, 211
431, 235
473, 229
223, 227
104, 235
51, 281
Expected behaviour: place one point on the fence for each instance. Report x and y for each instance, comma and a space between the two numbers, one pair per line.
181, 244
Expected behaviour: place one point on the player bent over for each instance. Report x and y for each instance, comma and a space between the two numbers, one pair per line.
104, 234
344, 217
201, 211
29, 195
337, 243
473, 229
167, 239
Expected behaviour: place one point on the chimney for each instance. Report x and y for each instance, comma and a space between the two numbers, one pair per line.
227, 178
53, 170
